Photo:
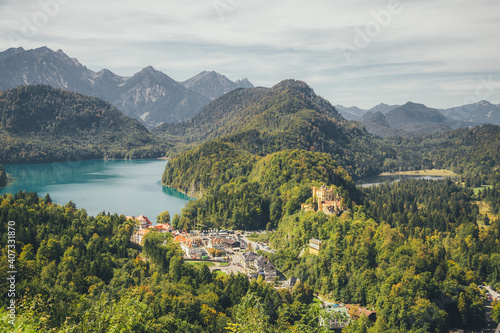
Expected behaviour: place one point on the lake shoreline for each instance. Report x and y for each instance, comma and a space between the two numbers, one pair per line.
129, 187
392, 177
431, 172
89, 159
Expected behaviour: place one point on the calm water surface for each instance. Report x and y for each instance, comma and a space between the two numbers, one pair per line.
372, 181
130, 187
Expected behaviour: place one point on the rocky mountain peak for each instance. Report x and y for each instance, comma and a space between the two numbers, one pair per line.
212, 84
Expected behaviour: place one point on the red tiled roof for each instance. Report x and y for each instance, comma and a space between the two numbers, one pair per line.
180, 239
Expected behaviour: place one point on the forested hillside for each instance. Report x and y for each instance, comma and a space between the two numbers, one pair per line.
472, 153
207, 166
78, 273
287, 116
415, 252
43, 124
239, 190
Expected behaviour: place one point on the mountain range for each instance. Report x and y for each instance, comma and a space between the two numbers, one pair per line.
213, 85
149, 95
355, 113
410, 119
417, 119
154, 98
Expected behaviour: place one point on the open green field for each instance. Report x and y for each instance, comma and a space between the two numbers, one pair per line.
220, 273
477, 189
199, 264
260, 237
431, 172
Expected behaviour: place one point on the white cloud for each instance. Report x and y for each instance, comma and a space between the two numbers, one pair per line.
424, 50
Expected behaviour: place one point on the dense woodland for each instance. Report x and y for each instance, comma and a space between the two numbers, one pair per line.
42, 124
243, 191
79, 273
414, 251
474, 154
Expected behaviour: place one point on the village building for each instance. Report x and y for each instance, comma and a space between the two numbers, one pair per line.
143, 221
216, 243
355, 312
259, 265
266, 268
230, 242
339, 315
142, 228
162, 227
138, 236
290, 283
193, 247
249, 259
180, 239
336, 318
314, 246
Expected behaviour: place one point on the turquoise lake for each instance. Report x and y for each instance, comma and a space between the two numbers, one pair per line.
129, 187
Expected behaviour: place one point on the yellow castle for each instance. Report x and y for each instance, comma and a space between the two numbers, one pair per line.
328, 201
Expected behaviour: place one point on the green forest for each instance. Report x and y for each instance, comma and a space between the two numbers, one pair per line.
238, 190
78, 273
43, 124
414, 251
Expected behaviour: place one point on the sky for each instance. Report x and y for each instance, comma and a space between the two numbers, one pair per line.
352, 52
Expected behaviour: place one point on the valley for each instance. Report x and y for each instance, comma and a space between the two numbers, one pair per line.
410, 253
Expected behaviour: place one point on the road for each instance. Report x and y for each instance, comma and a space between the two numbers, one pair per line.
231, 268
492, 292
490, 324
255, 245
235, 263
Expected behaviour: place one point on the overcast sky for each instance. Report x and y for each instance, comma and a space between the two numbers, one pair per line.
352, 52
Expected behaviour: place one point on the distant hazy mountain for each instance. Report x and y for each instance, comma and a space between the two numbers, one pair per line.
244, 83
482, 112
355, 113
350, 113
413, 117
410, 119
149, 96
383, 108
213, 85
